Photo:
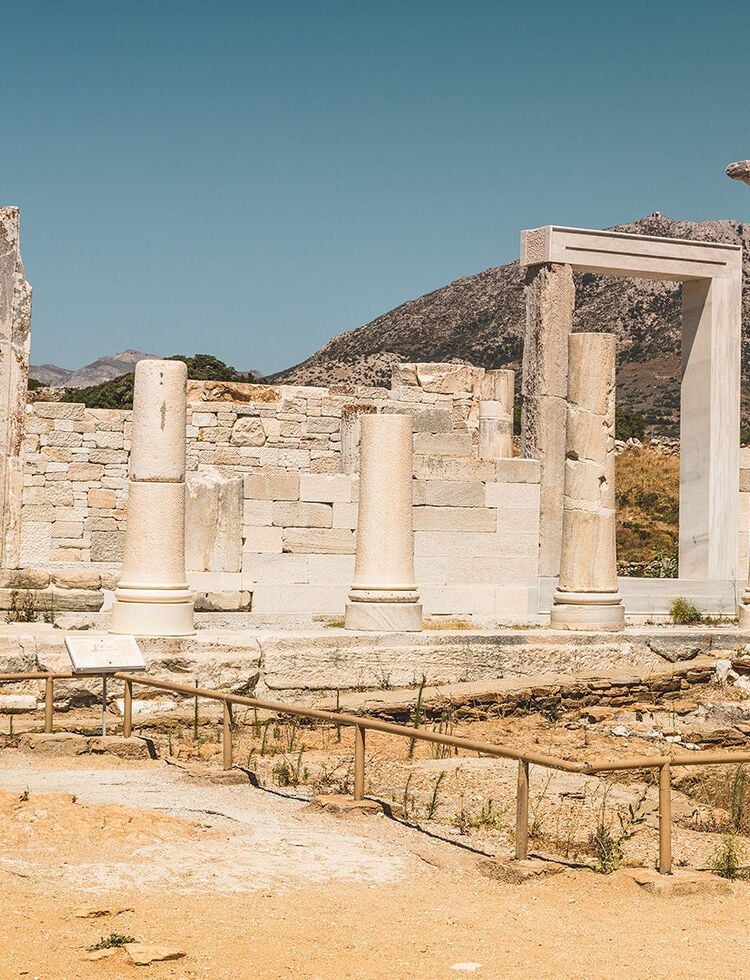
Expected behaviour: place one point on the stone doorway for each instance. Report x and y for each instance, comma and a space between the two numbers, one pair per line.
710, 274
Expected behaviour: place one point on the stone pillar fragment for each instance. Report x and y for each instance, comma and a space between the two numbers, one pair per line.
213, 542
496, 414
587, 596
152, 597
15, 340
550, 300
384, 594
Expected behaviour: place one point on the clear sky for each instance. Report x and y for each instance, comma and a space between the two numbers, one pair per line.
250, 178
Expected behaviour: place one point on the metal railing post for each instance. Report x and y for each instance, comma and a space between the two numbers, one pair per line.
522, 811
127, 710
227, 735
49, 703
359, 763
665, 819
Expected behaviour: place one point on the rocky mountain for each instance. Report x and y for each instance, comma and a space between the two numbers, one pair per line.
103, 369
481, 318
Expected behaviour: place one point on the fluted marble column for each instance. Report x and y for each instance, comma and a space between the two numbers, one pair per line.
152, 597
384, 594
587, 596
496, 414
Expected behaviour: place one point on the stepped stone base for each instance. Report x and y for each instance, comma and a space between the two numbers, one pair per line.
384, 617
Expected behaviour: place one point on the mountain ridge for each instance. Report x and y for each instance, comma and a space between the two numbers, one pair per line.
481, 319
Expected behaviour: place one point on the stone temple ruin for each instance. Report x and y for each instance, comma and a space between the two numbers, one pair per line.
377, 506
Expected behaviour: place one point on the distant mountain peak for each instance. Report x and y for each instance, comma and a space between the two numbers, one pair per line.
103, 369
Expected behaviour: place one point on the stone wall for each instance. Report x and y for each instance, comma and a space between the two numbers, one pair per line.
273, 490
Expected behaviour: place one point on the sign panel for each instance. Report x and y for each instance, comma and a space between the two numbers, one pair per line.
103, 653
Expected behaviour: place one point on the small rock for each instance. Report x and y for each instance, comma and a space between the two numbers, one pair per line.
54, 743
723, 671
679, 882
622, 731
125, 748
142, 954
345, 804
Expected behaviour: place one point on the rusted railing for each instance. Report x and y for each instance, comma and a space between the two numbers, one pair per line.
363, 723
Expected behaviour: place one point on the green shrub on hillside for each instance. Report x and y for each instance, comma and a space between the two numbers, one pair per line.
118, 393
628, 425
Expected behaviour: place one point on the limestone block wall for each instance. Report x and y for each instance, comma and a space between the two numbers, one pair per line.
273, 493
74, 485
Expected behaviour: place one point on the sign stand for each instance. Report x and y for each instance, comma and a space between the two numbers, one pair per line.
104, 655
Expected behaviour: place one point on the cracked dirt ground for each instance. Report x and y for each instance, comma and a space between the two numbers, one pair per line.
249, 884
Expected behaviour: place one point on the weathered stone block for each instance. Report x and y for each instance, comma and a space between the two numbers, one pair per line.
102, 499
24, 578
107, 545
275, 569
336, 541
330, 569
517, 470
85, 472
76, 578
109, 440
453, 493
440, 378
36, 542
453, 468
345, 515
248, 431
443, 443
59, 410
67, 529
478, 519
213, 522
303, 515
444, 544
513, 495
301, 598
272, 485
258, 513
324, 488
263, 540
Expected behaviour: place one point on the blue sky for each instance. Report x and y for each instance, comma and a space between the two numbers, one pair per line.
250, 178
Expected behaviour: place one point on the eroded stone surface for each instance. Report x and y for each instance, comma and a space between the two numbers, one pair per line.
550, 299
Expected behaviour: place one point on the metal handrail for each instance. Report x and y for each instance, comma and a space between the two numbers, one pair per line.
363, 723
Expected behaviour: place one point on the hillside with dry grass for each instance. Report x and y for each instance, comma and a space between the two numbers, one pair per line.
648, 501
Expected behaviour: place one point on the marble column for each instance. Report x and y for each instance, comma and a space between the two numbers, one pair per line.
384, 594
587, 596
496, 414
15, 339
152, 597
550, 301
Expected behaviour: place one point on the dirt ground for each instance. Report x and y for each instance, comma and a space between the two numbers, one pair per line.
249, 883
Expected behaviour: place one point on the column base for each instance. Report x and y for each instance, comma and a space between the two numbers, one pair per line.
153, 613
744, 612
587, 611
384, 617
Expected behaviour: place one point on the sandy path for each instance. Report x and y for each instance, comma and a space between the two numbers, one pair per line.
251, 885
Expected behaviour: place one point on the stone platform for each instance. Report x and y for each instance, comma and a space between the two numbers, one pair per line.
314, 664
